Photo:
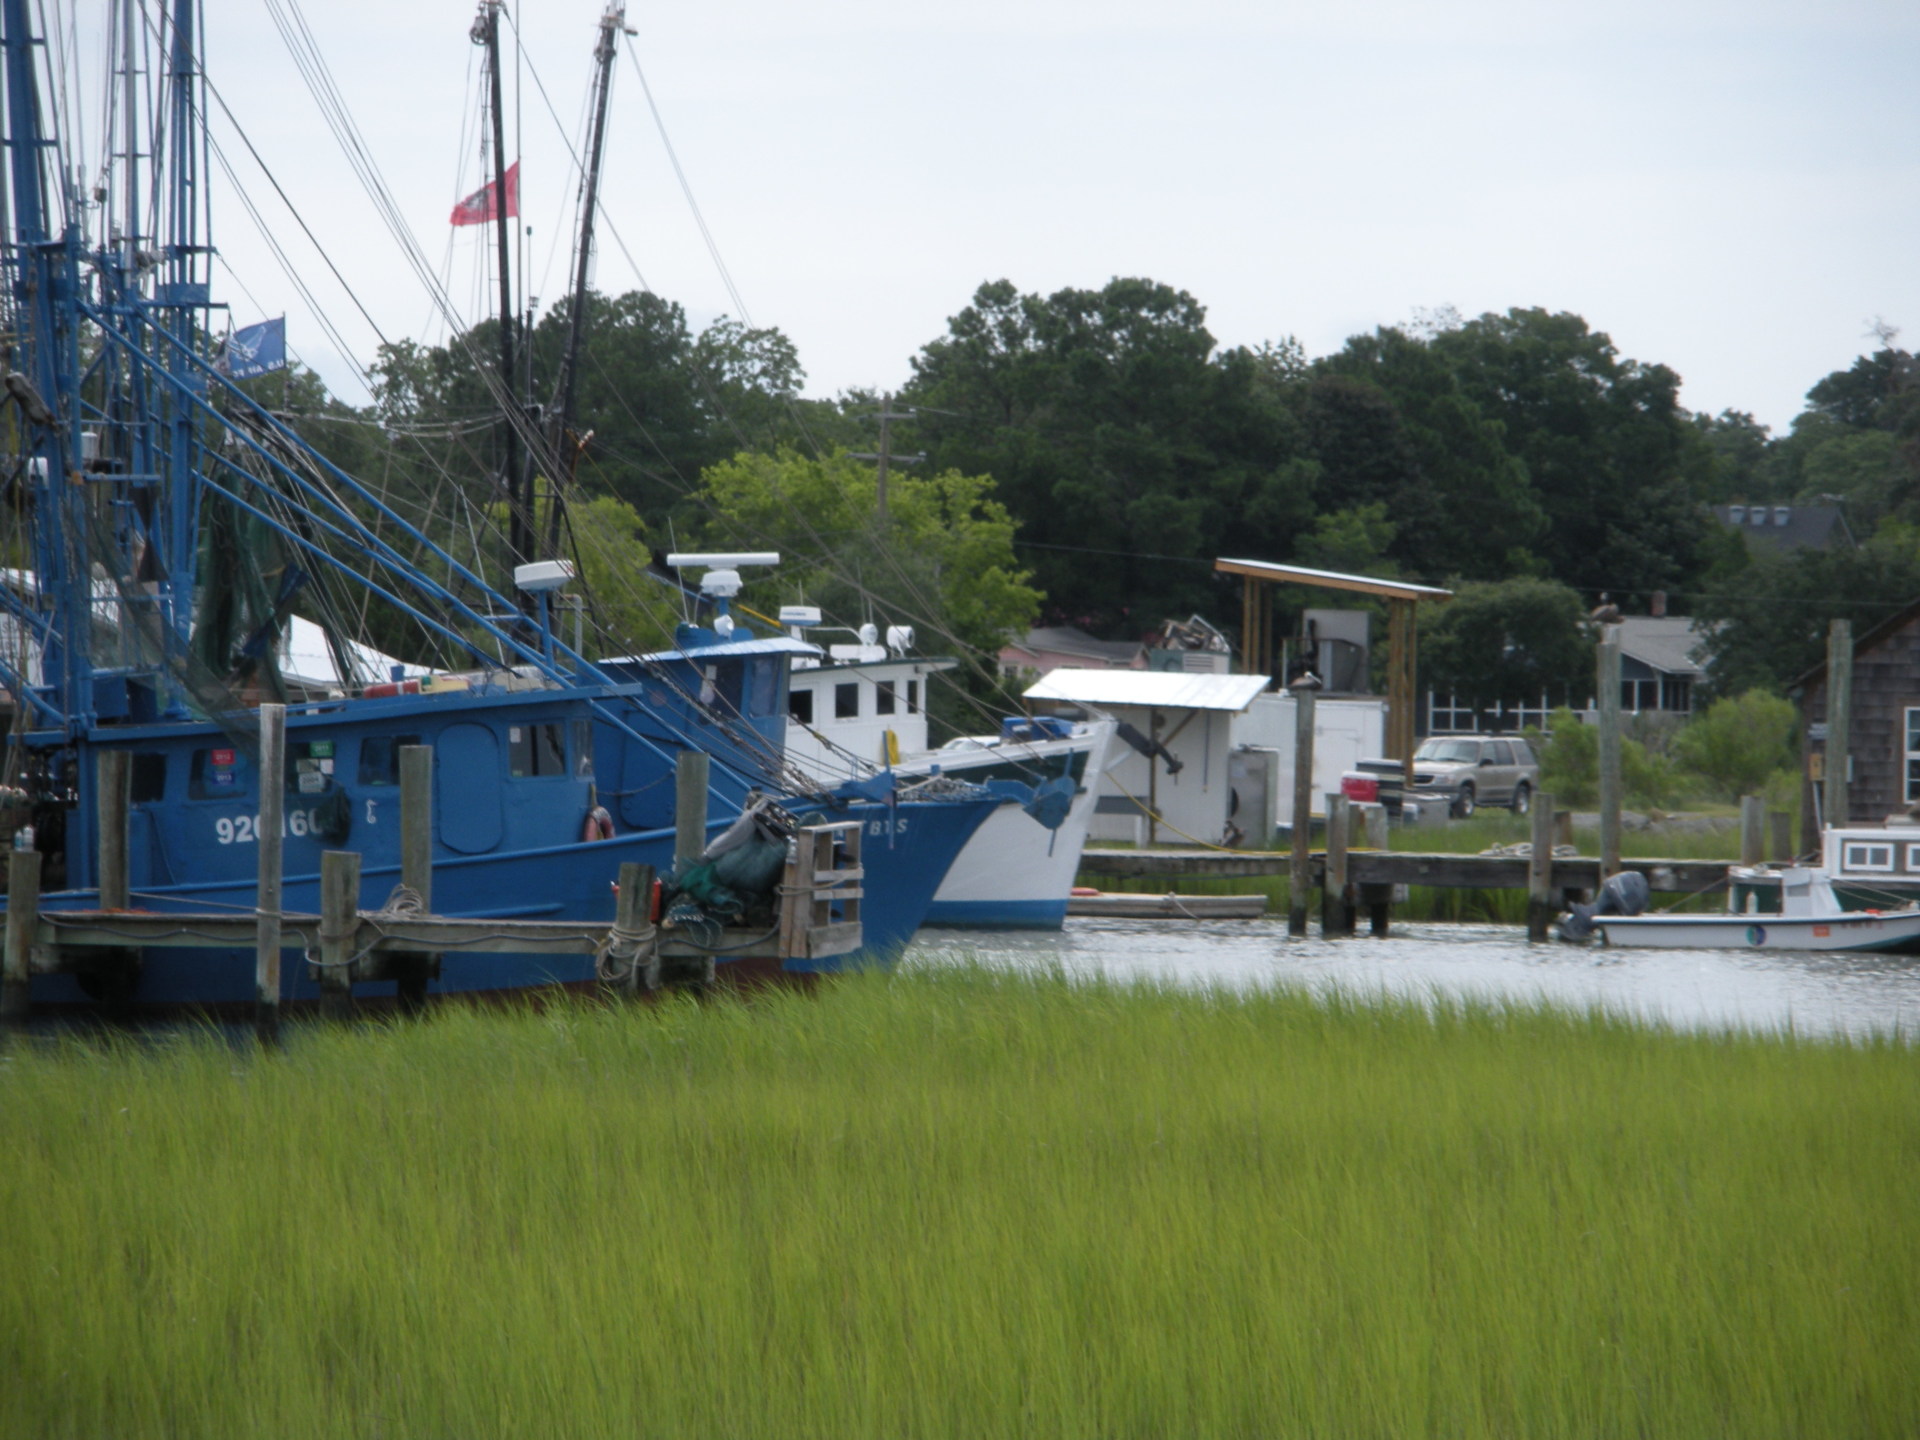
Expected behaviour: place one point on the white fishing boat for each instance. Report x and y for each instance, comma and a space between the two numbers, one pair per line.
1789, 907
866, 707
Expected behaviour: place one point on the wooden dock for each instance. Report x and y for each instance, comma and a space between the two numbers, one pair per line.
1402, 867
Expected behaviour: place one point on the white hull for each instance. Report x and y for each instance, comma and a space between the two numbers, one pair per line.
1015, 873
1843, 930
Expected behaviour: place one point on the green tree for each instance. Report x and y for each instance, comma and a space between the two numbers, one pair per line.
1509, 640
1117, 437
1737, 743
943, 560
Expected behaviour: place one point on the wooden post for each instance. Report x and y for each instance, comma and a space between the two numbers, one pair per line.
271, 828
1540, 895
1336, 915
1562, 826
1608, 681
1379, 837
1839, 720
1376, 897
636, 974
1299, 871
412, 970
339, 926
1753, 818
416, 822
1779, 835
23, 918
113, 779
1400, 691
689, 809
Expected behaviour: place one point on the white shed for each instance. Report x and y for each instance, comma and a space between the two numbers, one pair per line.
1233, 740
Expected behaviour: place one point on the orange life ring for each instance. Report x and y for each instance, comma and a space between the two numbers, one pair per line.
598, 826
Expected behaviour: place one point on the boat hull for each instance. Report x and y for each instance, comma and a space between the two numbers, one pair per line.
1015, 874
1895, 932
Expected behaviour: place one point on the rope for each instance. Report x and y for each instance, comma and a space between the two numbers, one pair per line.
619, 954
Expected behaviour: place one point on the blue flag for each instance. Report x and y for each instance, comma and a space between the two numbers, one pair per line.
255, 350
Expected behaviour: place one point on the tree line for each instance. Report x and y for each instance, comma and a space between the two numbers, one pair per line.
1087, 454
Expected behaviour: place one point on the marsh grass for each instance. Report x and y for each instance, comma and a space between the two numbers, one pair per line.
964, 1202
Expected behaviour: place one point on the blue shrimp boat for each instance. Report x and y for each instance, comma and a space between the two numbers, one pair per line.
171, 524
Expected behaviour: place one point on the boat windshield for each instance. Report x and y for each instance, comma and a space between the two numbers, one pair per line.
1444, 750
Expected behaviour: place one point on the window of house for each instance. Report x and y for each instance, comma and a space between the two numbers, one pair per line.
379, 759
846, 701
149, 777
800, 706
883, 697
1913, 754
536, 751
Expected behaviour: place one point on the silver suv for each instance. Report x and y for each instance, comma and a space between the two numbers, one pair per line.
1474, 770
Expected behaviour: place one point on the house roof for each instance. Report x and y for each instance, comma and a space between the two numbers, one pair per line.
1787, 527
1165, 689
1667, 643
1866, 640
1071, 640
1330, 580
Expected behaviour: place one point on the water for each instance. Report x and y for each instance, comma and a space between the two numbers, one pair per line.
1691, 989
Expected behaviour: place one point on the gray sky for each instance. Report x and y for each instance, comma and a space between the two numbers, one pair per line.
1729, 188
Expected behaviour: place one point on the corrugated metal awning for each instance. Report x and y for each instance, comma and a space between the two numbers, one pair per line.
1164, 689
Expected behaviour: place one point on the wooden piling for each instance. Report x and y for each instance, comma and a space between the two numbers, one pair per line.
1336, 914
113, 782
411, 970
1834, 805
23, 918
689, 809
1378, 835
1562, 827
266, 945
1299, 870
1753, 840
339, 925
1608, 703
1541, 900
1779, 835
637, 974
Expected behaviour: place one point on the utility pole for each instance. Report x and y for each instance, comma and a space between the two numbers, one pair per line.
885, 456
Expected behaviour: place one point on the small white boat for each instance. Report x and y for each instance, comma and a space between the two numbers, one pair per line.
1806, 917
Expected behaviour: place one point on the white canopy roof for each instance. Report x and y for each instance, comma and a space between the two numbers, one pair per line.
306, 659
1163, 689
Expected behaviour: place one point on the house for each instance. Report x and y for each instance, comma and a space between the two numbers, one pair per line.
1770, 528
1661, 660
1222, 767
1883, 736
1049, 647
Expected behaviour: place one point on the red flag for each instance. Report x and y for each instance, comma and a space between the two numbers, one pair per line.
478, 208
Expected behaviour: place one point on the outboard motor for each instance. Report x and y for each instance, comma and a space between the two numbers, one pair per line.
1622, 894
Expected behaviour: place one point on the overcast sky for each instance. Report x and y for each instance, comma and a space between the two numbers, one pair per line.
1729, 188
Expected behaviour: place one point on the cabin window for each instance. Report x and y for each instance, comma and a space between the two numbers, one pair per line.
149, 777
536, 751
800, 706
216, 774
380, 758
846, 701
883, 697
1913, 859
763, 686
582, 749
913, 697
1876, 856
1913, 754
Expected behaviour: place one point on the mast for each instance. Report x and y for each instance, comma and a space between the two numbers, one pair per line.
565, 446
486, 31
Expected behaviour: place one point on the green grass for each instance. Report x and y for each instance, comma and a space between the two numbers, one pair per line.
964, 1203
